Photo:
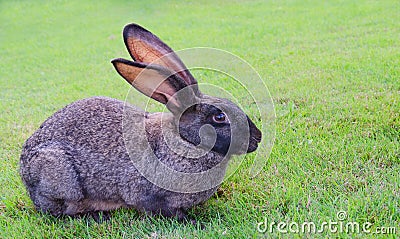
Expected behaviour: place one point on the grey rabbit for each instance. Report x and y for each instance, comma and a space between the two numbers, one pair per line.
77, 162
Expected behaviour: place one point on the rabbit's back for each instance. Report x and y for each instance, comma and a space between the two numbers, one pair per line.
93, 123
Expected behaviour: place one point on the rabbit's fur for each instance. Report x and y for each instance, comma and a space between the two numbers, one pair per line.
78, 162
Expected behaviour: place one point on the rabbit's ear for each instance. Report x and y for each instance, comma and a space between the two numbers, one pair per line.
144, 46
154, 81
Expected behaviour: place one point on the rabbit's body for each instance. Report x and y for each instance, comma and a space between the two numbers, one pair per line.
82, 159
68, 168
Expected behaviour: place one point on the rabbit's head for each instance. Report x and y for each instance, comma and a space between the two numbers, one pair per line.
203, 120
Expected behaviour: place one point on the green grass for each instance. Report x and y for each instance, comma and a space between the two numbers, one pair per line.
333, 70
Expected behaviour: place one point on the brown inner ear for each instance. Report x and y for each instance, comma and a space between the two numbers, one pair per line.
145, 52
148, 81
142, 51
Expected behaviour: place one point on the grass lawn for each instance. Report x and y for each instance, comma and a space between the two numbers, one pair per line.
332, 68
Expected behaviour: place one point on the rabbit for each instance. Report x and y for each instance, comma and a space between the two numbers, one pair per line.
77, 162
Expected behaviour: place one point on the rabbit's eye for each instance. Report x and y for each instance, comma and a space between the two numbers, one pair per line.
219, 118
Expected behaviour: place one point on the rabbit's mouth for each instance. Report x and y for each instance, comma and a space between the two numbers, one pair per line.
253, 145
255, 136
